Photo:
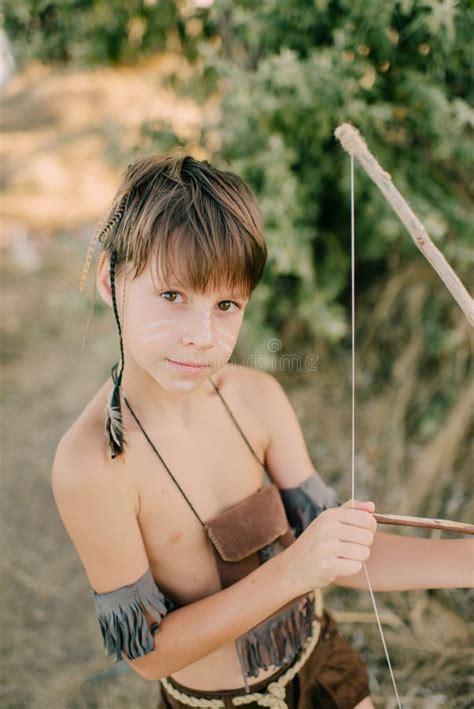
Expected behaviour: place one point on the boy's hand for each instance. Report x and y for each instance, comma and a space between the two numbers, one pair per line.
334, 544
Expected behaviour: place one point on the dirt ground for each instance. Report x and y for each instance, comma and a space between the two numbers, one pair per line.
67, 133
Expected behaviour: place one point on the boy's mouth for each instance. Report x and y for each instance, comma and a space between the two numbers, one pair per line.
191, 366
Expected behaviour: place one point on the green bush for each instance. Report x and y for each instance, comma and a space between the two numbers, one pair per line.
289, 73
88, 32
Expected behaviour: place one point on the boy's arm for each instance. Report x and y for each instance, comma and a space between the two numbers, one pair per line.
194, 631
99, 515
287, 457
402, 563
396, 562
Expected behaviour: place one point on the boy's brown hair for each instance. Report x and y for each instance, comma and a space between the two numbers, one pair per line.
180, 210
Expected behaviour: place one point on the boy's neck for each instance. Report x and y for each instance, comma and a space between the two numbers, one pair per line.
181, 402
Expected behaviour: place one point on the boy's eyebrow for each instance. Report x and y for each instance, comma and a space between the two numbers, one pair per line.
228, 291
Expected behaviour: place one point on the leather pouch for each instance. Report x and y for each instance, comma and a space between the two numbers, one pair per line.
234, 532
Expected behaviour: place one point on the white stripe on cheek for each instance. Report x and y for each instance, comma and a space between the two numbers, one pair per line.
229, 346
227, 334
207, 324
157, 322
226, 348
156, 336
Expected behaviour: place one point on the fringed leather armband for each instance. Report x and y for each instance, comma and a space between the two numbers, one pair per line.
122, 619
306, 501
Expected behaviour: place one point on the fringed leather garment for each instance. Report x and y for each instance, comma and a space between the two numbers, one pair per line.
242, 537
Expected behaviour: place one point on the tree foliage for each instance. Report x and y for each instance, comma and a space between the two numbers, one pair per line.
89, 32
290, 73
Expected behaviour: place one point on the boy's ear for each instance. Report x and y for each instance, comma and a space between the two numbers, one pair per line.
103, 278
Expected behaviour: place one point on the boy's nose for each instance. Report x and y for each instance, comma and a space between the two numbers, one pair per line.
199, 330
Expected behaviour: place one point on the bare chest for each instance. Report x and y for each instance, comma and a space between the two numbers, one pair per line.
215, 469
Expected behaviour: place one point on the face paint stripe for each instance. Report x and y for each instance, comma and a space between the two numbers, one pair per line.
156, 336
226, 334
225, 347
153, 324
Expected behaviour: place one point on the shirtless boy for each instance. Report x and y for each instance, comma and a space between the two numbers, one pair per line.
189, 250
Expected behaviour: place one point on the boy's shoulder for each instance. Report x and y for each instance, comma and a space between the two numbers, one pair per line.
82, 445
248, 382
252, 394
82, 467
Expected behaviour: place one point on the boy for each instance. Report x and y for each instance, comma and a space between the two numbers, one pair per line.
204, 577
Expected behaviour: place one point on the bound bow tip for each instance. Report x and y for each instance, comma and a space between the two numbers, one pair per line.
350, 138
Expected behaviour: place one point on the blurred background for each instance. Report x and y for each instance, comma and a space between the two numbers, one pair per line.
89, 85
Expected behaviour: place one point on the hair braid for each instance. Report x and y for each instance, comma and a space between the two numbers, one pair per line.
114, 420
91, 308
111, 220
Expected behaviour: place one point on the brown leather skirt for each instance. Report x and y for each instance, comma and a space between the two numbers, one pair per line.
333, 677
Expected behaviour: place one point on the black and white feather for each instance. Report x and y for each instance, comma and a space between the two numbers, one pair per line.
114, 422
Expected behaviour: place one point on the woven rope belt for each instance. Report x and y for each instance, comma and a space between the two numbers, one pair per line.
274, 694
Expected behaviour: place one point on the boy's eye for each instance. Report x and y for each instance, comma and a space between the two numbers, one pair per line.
170, 292
226, 310
232, 303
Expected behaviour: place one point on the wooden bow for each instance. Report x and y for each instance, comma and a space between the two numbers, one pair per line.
354, 144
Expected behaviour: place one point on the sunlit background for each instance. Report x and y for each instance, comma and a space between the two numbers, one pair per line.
88, 85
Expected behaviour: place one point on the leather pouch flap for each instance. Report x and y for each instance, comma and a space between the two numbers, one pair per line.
249, 525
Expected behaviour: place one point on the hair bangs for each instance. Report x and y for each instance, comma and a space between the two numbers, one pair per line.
191, 261
195, 225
